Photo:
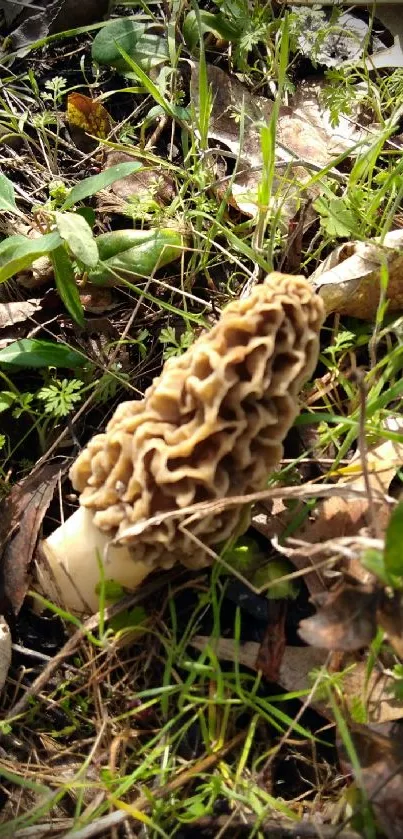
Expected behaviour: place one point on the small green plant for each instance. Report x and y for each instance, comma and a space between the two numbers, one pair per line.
174, 345
54, 91
70, 244
60, 397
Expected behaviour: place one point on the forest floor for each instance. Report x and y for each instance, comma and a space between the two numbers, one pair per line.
214, 145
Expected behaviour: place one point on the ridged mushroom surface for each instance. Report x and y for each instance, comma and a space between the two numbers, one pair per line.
211, 426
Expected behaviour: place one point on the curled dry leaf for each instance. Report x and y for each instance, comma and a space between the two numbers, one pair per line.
271, 650
349, 279
22, 514
346, 620
97, 300
5, 651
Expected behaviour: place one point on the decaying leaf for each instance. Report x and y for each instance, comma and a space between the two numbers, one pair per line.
88, 114
271, 650
390, 16
17, 311
55, 16
349, 279
346, 621
304, 136
380, 758
336, 517
97, 300
5, 651
299, 662
21, 517
148, 185
345, 40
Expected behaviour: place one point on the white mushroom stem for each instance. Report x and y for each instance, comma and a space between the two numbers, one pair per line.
70, 575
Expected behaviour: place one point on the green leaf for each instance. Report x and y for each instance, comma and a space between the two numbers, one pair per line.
151, 51
66, 284
92, 185
7, 399
272, 573
146, 48
149, 251
88, 213
374, 561
117, 241
33, 353
219, 25
18, 252
128, 619
393, 554
77, 233
337, 218
7, 196
245, 554
123, 31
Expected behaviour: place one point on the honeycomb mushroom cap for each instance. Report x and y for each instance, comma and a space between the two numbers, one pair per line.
212, 425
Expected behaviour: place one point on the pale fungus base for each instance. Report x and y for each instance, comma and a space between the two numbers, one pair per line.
70, 572
211, 426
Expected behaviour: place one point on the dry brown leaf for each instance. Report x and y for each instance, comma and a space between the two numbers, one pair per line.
338, 517
22, 514
271, 649
346, 621
36, 23
97, 300
17, 311
299, 662
304, 136
349, 279
151, 183
381, 774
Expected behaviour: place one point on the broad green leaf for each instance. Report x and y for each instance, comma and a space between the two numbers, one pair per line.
151, 50
146, 48
92, 185
152, 250
33, 352
123, 31
66, 284
7, 196
393, 554
18, 252
76, 232
113, 243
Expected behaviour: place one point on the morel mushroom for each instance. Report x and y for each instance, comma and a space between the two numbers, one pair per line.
211, 426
